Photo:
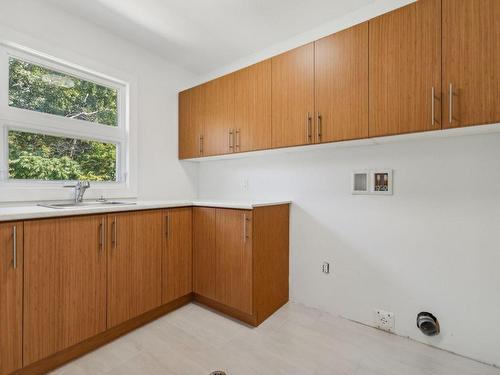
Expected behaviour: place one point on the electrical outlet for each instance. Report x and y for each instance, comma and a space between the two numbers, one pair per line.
325, 267
384, 320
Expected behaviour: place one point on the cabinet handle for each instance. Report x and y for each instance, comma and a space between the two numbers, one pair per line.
245, 233
231, 140
101, 235
238, 136
450, 115
309, 128
114, 238
319, 126
14, 246
167, 226
201, 145
433, 105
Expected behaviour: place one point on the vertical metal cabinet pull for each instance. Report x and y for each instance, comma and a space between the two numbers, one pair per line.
101, 235
245, 232
14, 246
201, 145
450, 117
319, 118
309, 127
114, 239
231, 139
167, 226
433, 106
238, 136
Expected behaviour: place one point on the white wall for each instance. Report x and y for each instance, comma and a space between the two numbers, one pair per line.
154, 87
433, 246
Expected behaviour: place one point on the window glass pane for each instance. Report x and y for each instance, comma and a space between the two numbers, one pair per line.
40, 89
45, 157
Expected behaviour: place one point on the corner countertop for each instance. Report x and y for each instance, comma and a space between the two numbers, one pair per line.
27, 211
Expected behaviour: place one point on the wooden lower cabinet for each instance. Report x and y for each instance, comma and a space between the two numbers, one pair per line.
240, 260
134, 264
177, 258
64, 284
11, 297
204, 251
80, 282
233, 266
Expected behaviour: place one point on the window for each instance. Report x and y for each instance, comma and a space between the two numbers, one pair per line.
44, 90
60, 122
45, 157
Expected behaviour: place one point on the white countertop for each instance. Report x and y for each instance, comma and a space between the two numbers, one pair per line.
32, 211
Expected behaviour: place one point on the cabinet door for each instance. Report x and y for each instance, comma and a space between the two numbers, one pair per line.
471, 62
204, 253
293, 97
64, 284
252, 114
11, 297
191, 115
341, 80
134, 264
405, 70
177, 257
218, 136
233, 236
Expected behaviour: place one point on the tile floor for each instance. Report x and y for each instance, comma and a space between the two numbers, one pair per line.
296, 340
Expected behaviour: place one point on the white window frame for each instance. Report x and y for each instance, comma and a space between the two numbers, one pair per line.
12, 118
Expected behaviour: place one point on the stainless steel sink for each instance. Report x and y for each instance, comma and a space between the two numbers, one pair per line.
60, 205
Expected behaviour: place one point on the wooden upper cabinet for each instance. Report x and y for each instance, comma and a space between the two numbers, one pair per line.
134, 264
11, 297
233, 271
177, 260
64, 284
341, 80
293, 97
471, 62
219, 116
252, 107
204, 252
405, 70
191, 119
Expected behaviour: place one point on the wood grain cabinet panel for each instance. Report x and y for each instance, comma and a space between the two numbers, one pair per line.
233, 271
471, 62
341, 80
204, 252
219, 116
177, 259
252, 107
405, 70
191, 122
11, 297
134, 264
64, 284
293, 97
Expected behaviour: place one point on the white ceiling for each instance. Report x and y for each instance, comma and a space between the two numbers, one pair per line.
203, 35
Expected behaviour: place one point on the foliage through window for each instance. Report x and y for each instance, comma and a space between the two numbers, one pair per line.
44, 157
60, 123
44, 90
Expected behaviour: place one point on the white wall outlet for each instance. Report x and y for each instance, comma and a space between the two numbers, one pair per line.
245, 185
384, 320
325, 267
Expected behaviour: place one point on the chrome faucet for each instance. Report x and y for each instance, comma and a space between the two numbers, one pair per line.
80, 188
